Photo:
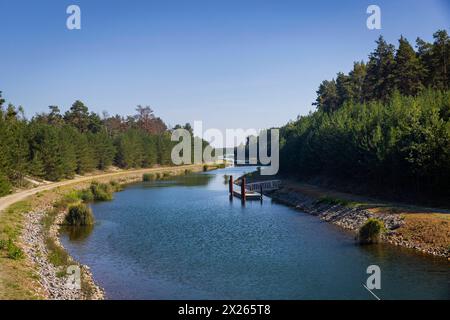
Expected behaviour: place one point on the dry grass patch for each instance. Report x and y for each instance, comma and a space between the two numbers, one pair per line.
432, 229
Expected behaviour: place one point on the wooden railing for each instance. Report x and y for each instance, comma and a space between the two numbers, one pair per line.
265, 185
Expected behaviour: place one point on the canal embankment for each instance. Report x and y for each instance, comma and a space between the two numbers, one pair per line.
423, 229
32, 259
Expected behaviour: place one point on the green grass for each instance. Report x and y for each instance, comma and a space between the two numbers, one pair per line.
56, 255
10, 229
17, 279
101, 191
336, 201
116, 186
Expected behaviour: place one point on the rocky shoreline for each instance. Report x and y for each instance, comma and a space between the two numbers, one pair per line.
53, 279
352, 218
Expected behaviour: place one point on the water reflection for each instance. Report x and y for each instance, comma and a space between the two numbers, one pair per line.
186, 180
78, 233
174, 242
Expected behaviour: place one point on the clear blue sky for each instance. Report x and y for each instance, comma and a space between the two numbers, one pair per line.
230, 63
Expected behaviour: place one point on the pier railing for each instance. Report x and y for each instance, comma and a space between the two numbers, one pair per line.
264, 185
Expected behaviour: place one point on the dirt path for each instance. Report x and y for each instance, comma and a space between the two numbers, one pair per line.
5, 202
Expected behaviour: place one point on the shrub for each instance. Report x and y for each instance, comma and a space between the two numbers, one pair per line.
14, 252
116, 186
101, 191
72, 196
371, 230
5, 186
149, 177
79, 215
86, 195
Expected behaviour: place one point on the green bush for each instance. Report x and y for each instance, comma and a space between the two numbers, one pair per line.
116, 186
5, 186
101, 191
79, 215
86, 195
371, 231
14, 252
149, 177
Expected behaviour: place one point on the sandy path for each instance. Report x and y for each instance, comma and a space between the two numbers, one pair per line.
6, 201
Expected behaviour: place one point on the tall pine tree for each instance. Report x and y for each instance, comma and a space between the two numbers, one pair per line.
408, 69
379, 81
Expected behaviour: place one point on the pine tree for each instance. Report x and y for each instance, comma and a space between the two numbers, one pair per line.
425, 55
357, 76
408, 69
78, 116
344, 89
36, 166
104, 150
84, 153
5, 186
55, 117
327, 96
441, 60
379, 81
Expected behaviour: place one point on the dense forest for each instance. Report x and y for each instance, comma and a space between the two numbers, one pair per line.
54, 146
384, 126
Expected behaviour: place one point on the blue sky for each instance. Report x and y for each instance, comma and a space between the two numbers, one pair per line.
230, 63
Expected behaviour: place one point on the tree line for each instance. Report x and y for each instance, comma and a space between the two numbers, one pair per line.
55, 146
384, 125
389, 69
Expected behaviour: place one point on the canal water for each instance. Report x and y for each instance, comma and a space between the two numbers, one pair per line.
184, 239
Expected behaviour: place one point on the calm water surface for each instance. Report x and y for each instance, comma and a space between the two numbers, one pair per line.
184, 239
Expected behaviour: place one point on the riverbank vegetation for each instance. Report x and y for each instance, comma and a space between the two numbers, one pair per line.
79, 215
55, 146
382, 128
370, 232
